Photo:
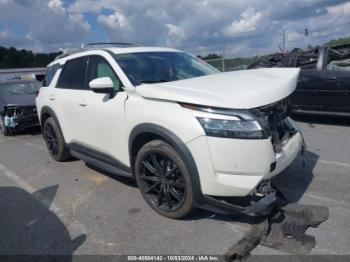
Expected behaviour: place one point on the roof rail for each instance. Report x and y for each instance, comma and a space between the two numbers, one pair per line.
67, 52
90, 46
107, 44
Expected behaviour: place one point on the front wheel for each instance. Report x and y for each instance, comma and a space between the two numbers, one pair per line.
164, 180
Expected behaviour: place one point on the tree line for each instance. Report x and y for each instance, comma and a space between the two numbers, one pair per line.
13, 58
340, 41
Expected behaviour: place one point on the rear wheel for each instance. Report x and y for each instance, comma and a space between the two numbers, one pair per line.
164, 180
54, 140
6, 131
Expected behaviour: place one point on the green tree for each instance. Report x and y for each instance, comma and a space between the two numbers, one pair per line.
339, 41
13, 58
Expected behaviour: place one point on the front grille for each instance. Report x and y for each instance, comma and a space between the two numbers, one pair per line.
272, 118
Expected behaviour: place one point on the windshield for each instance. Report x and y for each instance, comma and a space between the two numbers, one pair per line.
155, 67
19, 88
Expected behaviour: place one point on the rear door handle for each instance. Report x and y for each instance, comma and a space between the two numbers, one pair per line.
52, 97
331, 78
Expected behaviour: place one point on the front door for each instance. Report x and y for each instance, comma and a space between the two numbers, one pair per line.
102, 115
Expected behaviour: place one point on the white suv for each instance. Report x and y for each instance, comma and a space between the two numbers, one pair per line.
189, 135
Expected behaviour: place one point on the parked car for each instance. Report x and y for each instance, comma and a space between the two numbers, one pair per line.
324, 82
189, 135
17, 105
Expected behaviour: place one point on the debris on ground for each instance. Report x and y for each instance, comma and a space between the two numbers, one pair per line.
283, 230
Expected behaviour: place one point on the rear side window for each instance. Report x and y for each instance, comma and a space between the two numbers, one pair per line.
73, 74
50, 73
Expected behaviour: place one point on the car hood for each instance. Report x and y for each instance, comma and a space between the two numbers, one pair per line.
22, 100
239, 89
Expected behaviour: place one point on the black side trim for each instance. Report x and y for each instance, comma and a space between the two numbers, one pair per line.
99, 156
101, 165
179, 146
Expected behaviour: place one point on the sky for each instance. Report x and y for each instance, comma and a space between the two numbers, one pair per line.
233, 27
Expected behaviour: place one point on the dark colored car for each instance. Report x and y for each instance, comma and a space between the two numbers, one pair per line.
17, 105
324, 81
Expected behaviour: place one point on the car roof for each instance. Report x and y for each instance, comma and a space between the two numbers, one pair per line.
114, 50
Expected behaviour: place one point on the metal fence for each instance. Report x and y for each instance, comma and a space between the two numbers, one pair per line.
225, 65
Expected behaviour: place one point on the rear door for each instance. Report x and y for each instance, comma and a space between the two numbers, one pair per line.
345, 84
337, 89
102, 115
66, 96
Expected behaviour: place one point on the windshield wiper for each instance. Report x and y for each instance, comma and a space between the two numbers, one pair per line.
153, 81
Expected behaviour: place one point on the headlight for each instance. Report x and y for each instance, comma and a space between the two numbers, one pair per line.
231, 128
228, 123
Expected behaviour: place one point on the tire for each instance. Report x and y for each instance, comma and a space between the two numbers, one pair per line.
54, 141
164, 180
6, 131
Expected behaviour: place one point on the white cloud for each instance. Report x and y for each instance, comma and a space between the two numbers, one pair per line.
56, 6
47, 27
341, 9
4, 33
114, 21
79, 19
245, 27
81, 6
249, 22
175, 35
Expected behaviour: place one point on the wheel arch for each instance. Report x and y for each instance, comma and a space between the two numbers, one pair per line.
143, 133
47, 112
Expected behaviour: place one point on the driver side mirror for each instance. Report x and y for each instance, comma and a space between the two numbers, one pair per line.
102, 85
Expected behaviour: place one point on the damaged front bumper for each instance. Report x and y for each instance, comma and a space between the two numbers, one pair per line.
253, 205
20, 118
235, 173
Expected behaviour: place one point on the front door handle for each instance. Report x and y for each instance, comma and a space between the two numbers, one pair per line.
52, 97
82, 103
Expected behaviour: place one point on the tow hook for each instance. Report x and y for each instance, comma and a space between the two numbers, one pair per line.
284, 229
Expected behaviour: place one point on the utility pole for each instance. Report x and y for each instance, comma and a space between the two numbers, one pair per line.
223, 58
284, 41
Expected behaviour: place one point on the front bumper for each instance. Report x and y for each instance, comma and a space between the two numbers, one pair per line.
234, 167
251, 205
19, 123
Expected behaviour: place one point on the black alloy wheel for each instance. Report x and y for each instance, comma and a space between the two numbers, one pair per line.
163, 179
54, 140
51, 139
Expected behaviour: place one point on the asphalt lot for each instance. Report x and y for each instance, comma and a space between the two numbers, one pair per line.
65, 208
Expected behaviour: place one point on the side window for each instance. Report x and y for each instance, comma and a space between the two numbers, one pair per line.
339, 65
99, 67
73, 74
50, 73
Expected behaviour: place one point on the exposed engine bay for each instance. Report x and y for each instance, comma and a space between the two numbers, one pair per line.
274, 119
